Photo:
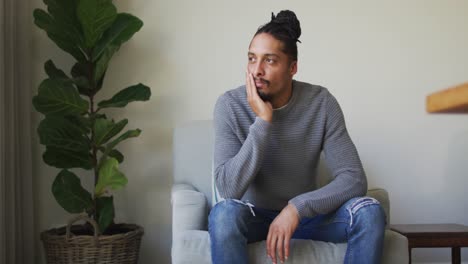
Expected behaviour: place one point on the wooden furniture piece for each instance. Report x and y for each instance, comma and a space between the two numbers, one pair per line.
451, 100
435, 235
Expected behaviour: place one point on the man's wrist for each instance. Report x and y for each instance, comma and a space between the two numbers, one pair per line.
294, 209
267, 118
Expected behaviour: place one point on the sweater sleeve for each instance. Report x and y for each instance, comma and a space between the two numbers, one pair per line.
236, 163
342, 159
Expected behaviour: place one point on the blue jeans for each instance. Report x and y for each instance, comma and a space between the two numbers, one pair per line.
360, 222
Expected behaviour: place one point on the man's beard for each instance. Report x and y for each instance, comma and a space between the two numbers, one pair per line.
265, 97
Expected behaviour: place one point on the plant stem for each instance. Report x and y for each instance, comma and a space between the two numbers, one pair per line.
93, 120
95, 149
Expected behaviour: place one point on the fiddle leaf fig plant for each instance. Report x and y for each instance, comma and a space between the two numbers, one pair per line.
75, 130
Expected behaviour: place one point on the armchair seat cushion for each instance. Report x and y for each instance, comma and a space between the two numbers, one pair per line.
193, 246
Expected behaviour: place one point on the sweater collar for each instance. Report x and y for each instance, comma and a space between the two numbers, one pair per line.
279, 112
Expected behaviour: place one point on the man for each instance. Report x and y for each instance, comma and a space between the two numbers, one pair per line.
268, 138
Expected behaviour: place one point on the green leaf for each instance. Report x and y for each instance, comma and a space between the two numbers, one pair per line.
83, 86
65, 159
123, 28
111, 145
53, 72
70, 194
64, 12
100, 82
96, 16
66, 20
116, 155
82, 121
106, 129
103, 62
137, 92
59, 97
109, 177
105, 212
63, 134
81, 69
61, 28
80, 73
126, 135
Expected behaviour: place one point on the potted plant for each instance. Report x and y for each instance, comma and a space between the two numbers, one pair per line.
77, 133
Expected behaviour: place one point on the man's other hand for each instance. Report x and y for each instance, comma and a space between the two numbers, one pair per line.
280, 233
262, 109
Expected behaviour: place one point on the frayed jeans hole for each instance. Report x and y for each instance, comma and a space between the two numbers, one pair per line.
248, 204
358, 204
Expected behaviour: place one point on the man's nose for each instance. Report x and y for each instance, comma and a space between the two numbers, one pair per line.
258, 70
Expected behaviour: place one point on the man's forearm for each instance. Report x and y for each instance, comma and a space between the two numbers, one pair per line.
236, 164
331, 196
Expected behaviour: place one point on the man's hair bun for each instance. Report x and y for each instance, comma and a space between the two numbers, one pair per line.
286, 28
288, 20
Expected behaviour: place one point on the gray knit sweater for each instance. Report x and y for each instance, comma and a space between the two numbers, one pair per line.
271, 164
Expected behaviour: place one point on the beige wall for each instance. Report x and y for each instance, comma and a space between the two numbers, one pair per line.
379, 58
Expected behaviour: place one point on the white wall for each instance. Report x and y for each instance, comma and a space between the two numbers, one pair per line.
379, 58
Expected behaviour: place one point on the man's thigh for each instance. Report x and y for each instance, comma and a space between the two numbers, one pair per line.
332, 227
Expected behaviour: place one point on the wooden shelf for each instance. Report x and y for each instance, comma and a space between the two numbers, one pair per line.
451, 100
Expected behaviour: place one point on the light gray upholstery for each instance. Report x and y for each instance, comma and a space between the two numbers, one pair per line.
191, 201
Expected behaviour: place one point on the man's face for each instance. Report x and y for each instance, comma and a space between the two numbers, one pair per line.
271, 67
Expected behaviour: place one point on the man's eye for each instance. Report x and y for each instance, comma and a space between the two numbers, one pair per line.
270, 61
251, 59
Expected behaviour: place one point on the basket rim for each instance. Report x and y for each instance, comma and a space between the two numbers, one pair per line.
50, 233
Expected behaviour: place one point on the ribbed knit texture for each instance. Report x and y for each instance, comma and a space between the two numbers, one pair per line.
271, 164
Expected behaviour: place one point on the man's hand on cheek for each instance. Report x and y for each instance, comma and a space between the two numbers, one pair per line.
262, 109
280, 233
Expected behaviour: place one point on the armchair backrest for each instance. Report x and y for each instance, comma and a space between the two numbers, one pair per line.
193, 155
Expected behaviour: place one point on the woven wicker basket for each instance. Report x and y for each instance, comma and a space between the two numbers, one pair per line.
62, 247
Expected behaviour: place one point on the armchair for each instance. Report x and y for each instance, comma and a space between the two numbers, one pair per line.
191, 199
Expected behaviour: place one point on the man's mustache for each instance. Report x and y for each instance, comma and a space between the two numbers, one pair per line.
262, 80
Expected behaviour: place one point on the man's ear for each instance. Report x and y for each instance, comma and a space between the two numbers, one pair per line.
293, 67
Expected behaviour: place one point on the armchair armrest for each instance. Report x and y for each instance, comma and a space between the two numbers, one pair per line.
381, 195
189, 209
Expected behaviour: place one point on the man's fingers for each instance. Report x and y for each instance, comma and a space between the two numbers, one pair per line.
247, 85
268, 244
280, 248
273, 242
254, 93
287, 239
